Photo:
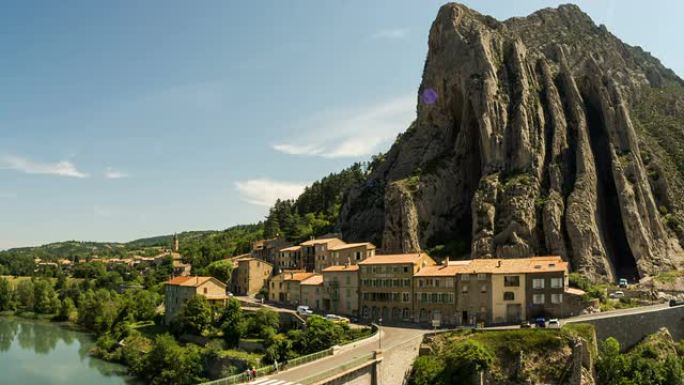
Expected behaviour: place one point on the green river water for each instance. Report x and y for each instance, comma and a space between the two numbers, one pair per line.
42, 353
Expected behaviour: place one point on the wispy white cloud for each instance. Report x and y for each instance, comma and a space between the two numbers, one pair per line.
28, 166
264, 191
394, 33
115, 174
353, 132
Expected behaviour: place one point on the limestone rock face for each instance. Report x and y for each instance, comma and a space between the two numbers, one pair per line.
525, 143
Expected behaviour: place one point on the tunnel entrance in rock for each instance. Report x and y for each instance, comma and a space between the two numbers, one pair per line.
610, 221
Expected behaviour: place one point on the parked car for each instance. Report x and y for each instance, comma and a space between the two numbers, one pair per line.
617, 294
525, 325
554, 323
540, 322
304, 311
676, 302
336, 318
623, 283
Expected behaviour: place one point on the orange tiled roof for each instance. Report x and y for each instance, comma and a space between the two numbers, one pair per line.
297, 276
329, 241
392, 258
544, 264
314, 280
442, 270
188, 281
343, 246
341, 268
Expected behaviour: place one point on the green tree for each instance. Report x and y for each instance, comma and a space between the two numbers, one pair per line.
263, 323
466, 359
6, 295
24, 294
427, 370
195, 316
44, 296
232, 323
278, 347
66, 310
221, 270
319, 334
98, 310
171, 364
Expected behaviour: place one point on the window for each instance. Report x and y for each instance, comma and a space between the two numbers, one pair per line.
538, 283
396, 283
556, 283
449, 282
483, 289
205, 290
481, 277
437, 282
407, 283
464, 288
556, 298
424, 298
511, 280
405, 313
465, 277
406, 297
538, 299
358, 255
509, 296
435, 298
406, 269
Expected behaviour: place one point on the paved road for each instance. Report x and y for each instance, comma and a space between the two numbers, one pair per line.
390, 336
617, 313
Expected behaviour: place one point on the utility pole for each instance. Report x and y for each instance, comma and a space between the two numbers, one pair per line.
380, 334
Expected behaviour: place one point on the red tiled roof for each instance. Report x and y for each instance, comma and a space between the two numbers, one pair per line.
392, 258
188, 281
344, 246
341, 268
314, 280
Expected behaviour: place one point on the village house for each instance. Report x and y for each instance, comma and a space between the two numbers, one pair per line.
180, 289
268, 249
341, 289
289, 258
434, 293
315, 251
311, 291
341, 253
250, 275
386, 285
292, 284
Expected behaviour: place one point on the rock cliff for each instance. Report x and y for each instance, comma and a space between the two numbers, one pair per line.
537, 135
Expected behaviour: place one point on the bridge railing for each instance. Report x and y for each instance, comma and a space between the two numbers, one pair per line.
265, 370
326, 374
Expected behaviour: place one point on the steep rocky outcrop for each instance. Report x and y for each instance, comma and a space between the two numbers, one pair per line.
531, 138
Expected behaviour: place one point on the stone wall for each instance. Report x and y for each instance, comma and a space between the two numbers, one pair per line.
629, 329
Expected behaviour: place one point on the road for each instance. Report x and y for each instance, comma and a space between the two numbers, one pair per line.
617, 313
390, 336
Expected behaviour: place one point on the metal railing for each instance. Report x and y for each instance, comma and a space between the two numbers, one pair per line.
326, 374
265, 370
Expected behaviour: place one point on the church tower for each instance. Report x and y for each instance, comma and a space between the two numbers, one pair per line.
175, 243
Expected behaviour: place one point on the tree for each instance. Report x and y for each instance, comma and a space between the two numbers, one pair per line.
98, 310
141, 305
264, 323
6, 295
171, 364
45, 297
66, 310
221, 270
466, 359
232, 323
318, 335
427, 370
278, 347
195, 316
25, 296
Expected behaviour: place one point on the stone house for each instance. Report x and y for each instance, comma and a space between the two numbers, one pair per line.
250, 275
315, 251
434, 293
289, 258
180, 289
311, 291
342, 253
268, 249
386, 285
341, 289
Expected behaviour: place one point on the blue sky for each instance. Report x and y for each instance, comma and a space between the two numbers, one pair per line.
126, 119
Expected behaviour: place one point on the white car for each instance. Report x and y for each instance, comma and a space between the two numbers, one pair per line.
304, 311
617, 294
336, 318
553, 323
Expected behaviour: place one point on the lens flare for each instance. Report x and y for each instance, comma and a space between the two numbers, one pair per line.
429, 96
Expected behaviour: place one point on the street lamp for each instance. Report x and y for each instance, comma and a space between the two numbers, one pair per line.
380, 334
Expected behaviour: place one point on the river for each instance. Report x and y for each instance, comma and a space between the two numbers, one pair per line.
42, 353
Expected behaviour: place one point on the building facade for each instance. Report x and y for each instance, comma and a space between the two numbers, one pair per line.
344, 253
386, 285
341, 289
179, 290
311, 292
434, 294
289, 258
250, 275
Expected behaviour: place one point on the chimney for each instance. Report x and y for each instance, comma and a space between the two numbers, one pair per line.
445, 262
